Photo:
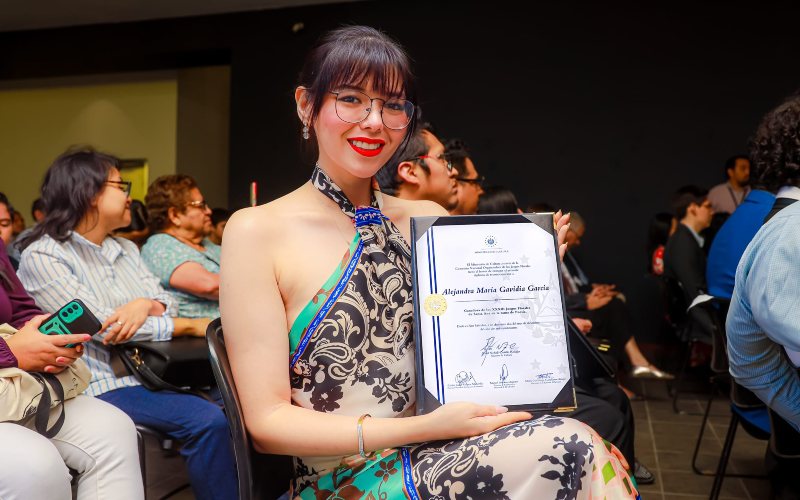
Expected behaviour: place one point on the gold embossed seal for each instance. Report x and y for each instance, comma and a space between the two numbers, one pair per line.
435, 304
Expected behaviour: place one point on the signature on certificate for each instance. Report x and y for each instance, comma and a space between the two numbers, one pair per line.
493, 349
503, 373
465, 378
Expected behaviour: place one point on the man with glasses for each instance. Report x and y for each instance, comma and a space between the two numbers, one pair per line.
422, 172
470, 183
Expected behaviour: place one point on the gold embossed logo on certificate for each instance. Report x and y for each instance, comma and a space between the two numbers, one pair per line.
435, 304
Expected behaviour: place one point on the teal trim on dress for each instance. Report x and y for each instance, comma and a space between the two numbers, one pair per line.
306, 316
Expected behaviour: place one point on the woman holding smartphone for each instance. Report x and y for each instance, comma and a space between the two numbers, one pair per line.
344, 405
97, 440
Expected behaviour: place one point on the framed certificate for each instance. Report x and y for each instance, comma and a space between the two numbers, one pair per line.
490, 321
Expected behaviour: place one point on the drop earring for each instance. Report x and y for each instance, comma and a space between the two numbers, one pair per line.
305, 132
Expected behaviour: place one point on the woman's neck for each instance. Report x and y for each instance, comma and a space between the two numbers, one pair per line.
186, 237
91, 229
357, 190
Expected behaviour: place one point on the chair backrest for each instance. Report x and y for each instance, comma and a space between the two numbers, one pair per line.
784, 440
260, 475
676, 305
717, 311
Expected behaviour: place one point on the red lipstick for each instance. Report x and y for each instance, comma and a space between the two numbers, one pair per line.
366, 140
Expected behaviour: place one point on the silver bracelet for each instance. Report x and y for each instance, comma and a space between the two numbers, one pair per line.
360, 432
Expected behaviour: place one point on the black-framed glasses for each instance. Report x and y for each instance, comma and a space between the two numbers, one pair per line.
124, 186
201, 204
441, 158
354, 106
478, 181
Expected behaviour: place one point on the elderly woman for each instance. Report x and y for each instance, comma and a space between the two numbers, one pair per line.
178, 253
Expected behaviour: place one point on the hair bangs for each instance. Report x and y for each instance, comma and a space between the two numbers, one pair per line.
378, 68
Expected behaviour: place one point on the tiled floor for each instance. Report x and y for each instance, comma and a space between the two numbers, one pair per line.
664, 443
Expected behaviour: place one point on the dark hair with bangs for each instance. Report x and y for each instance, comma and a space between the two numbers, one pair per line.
352, 55
69, 186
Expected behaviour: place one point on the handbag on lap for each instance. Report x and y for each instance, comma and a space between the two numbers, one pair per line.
173, 365
28, 398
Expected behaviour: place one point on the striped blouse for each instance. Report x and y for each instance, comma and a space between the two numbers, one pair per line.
104, 277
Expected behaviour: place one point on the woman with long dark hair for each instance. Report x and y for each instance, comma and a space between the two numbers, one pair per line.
316, 301
71, 254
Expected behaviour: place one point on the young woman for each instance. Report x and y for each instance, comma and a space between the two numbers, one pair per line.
73, 255
345, 404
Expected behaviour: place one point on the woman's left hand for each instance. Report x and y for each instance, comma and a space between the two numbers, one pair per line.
126, 320
561, 222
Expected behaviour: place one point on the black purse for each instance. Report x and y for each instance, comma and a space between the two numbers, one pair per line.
181, 364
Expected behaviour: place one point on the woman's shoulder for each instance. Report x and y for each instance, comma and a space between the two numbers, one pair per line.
157, 243
394, 207
46, 244
277, 216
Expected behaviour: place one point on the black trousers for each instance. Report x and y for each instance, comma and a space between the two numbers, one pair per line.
604, 407
609, 322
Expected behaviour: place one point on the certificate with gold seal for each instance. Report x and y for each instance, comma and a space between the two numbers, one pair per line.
490, 323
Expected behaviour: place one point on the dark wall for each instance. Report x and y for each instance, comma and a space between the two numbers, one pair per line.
601, 109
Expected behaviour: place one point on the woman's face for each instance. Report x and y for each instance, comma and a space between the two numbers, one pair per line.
6, 224
358, 148
113, 203
195, 216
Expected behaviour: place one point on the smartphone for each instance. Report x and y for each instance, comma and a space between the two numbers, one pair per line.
73, 317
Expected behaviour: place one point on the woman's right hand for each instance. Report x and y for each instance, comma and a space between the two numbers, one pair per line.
461, 420
37, 352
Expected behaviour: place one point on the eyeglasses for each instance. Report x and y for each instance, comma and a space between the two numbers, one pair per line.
478, 181
5, 222
353, 106
124, 186
441, 158
201, 204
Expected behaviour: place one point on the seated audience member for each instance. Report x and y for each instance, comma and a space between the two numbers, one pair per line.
498, 200
96, 440
178, 253
137, 231
762, 325
662, 226
18, 224
6, 220
71, 254
684, 259
541, 206
219, 218
423, 172
470, 183
731, 240
602, 304
726, 197
37, 212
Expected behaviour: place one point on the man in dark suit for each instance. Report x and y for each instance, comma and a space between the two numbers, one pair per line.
684, 259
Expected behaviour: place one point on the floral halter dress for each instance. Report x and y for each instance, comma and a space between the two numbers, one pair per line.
352, 352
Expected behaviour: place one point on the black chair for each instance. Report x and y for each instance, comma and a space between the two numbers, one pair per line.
687, 328
168, 445
260, 476
751, 414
